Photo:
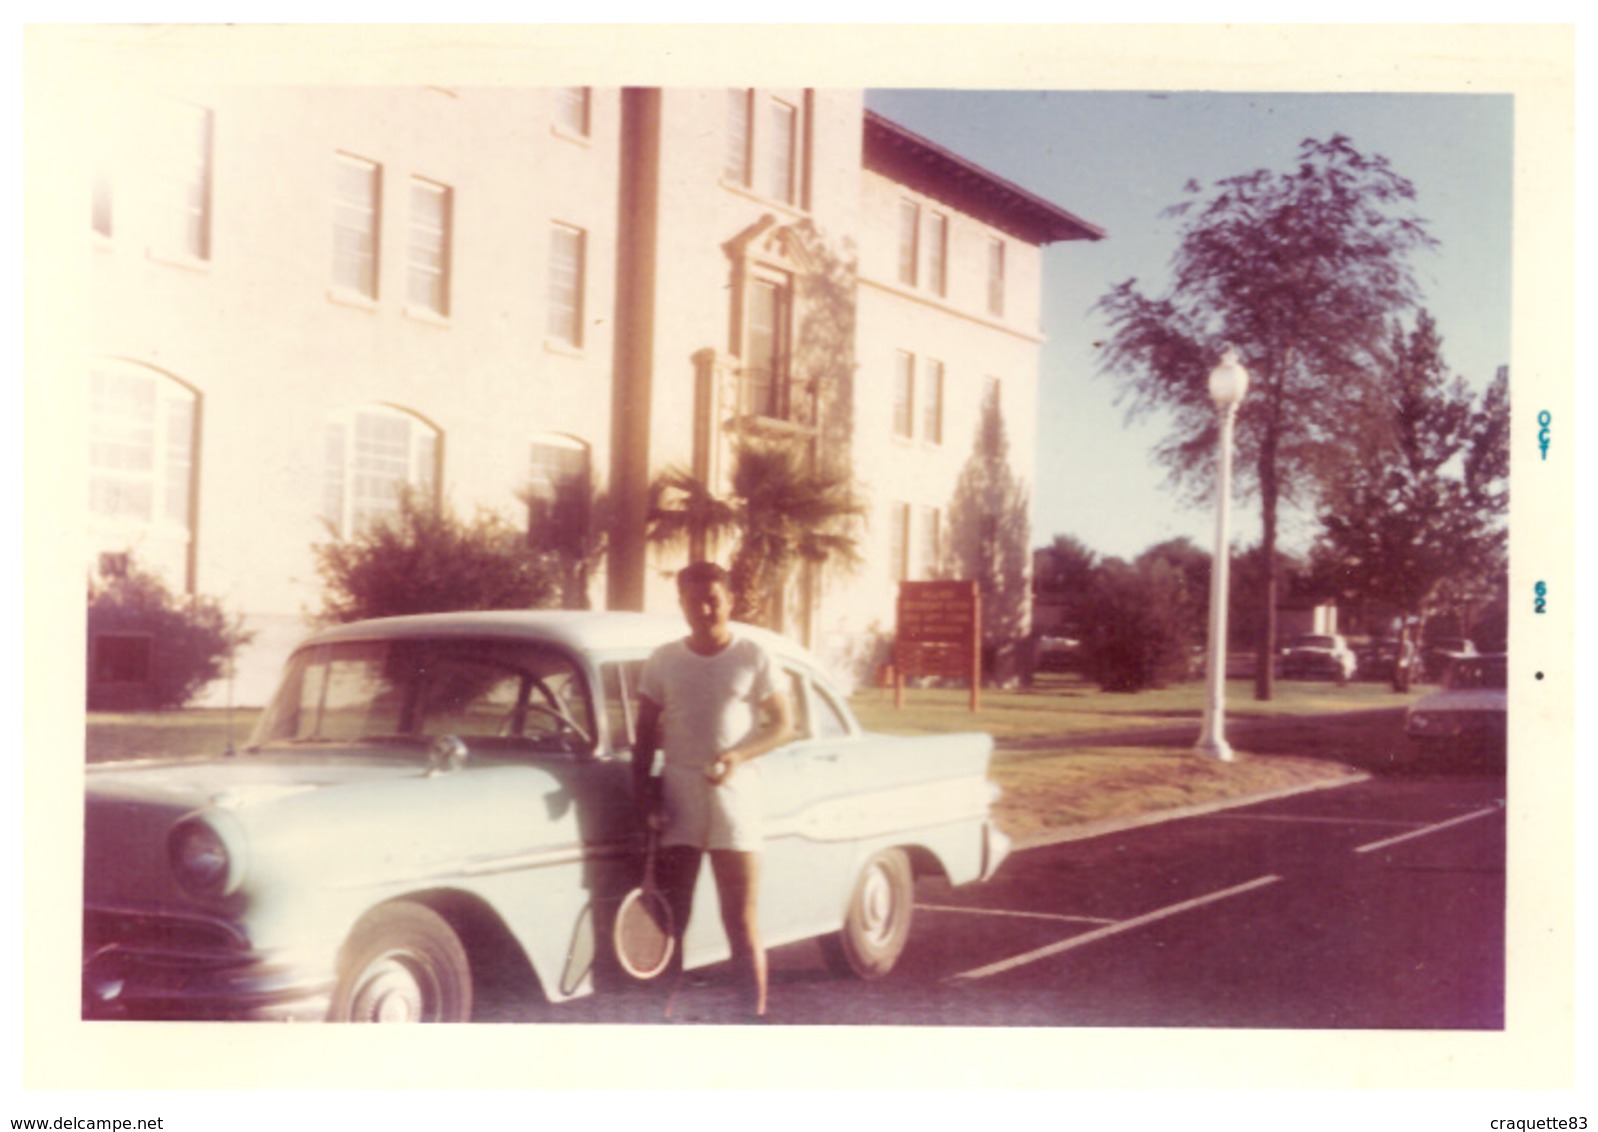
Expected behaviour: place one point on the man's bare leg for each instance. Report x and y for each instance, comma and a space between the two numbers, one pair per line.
677, 871
738, 886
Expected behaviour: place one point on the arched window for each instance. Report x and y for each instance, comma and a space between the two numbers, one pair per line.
143, 430
371, 452
559, 491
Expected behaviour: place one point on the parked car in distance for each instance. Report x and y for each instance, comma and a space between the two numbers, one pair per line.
430, 798
1377, 659
1317, 656
1440, 652
1059, 654
1468, 717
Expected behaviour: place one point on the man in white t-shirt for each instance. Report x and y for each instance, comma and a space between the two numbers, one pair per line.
711, 703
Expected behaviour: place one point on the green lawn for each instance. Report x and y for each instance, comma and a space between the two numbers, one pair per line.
1071, 754
197, 731
1062, 705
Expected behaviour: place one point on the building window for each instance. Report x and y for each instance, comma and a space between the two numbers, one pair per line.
142, 447
356, 194
737, 163
929, 529
996, 278
370, 454
181, 223
572, 109
938, 253
764, 386
784, 152
566, 271
899, 542
931, 400
558, 493
909, 241
428, 261
904, 384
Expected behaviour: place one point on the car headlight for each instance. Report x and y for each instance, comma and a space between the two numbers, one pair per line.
201, 858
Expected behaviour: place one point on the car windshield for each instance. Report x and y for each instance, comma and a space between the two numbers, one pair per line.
1479, 672
510, 694
1314, 643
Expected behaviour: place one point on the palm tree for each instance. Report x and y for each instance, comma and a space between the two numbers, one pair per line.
780, 512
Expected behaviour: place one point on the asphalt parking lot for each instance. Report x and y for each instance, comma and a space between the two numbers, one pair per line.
1378, 905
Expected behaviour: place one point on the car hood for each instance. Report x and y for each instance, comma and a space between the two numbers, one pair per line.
181, 785
297, 823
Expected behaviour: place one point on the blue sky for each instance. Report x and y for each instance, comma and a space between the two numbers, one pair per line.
1118, 159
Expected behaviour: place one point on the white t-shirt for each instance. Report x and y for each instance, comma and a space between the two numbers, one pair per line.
709, 704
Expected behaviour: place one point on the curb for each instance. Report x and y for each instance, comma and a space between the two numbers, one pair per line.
1105, 826
1186, 731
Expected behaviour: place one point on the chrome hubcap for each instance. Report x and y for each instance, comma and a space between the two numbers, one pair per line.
877, 905
396, 988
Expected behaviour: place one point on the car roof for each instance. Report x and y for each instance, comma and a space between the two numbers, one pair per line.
584, 631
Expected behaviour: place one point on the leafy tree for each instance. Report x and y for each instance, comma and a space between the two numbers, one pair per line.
1136, 629
1192, 568
1063, 578
1298, 271
1418, 527
1249, 574
142, 635
990, 537
780, 512
424, 559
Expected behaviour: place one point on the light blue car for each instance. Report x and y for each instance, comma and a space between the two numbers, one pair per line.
430, 800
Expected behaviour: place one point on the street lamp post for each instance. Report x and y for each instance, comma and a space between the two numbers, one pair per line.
1228, 383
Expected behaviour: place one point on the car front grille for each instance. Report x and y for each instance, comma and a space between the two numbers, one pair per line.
157, 933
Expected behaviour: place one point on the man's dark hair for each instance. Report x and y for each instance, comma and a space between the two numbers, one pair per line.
700, 574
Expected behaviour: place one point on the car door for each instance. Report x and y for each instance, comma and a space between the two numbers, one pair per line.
808, 823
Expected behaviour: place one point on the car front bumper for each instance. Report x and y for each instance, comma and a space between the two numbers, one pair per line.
118, 984
146, 966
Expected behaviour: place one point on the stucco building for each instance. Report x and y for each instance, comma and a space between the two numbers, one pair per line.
305, 296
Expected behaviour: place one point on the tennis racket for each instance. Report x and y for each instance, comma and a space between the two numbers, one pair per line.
643, 933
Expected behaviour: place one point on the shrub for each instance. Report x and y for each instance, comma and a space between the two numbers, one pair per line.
150, 648
1136, 628
424, 559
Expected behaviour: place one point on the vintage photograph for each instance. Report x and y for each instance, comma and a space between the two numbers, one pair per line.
795, 555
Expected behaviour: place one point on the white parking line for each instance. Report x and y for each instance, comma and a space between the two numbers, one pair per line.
1424, 830
1007, 912
1112, 929
1317, 818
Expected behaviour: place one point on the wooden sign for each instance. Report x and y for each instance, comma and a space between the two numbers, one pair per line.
940, 634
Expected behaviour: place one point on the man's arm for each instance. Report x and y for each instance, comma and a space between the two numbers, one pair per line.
645, 786
775, 729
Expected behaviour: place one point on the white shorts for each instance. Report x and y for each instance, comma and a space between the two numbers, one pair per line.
703, 815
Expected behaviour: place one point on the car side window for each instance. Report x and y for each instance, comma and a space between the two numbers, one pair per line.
798, 704
830, 720
620, 682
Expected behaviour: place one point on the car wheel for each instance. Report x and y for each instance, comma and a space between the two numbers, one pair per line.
403, 963
878, 923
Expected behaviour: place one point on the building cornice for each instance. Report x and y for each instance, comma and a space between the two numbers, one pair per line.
913, 160
909, 296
